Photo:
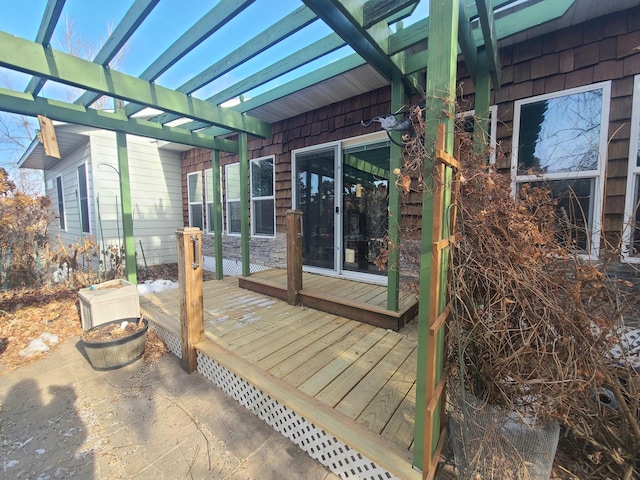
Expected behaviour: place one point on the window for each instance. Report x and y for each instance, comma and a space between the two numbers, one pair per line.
263, 211
466, 121
232, 181
194, 191
208, 184
631, 232
560, 142
83, 198
60, 193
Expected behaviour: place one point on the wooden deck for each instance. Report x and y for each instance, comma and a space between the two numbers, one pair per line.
360, 301
355, 381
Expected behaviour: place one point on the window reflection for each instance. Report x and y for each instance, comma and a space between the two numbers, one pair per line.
560, 134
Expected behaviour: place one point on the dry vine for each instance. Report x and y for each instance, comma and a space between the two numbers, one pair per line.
535, 324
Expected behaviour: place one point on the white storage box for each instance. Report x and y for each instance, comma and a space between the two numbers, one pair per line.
112, 300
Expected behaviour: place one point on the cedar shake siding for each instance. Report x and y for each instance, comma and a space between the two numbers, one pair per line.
601, 50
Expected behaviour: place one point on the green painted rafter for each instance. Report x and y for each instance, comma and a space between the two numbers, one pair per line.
32, 58
215, 19
303, 56
26, 104
375, 11
370, 44
45, 32
520, 20
488, 27
465, 40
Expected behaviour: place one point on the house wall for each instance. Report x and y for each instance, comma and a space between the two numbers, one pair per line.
156, 196
600, 50
334, 122
67, 169
596, 51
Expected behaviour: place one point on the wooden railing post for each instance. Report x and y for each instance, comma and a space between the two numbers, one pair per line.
191, 302
294, 255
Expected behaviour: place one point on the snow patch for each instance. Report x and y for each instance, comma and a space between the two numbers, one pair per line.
39, 345
156, 286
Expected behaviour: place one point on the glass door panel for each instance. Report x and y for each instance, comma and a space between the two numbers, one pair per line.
365, 191
315, 196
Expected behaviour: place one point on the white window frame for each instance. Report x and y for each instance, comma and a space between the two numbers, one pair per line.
597, 175
633, 175
62, 215
254, 200
208, 192
192, 202
493, 129
84, 202
231, 200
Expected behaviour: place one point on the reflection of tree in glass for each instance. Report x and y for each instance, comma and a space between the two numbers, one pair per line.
561, 134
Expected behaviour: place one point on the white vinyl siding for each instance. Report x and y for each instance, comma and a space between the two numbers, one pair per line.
155, 180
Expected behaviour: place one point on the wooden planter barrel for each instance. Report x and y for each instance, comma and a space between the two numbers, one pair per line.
105, 355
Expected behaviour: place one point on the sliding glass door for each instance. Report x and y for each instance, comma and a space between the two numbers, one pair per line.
343, 194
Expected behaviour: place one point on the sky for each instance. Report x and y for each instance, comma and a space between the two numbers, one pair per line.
93, 19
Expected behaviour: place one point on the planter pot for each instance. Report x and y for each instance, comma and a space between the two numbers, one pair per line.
118, 352
107, 301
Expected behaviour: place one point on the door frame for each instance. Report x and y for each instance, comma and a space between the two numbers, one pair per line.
337, 270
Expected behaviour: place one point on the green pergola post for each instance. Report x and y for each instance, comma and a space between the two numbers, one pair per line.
217, 213
440, 92
244, 201
481, 131
395, 162
127, 217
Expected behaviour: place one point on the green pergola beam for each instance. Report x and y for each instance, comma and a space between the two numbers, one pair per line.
282, 29
26, 104
48, 24
345, 18
32, 58
488, 27
245, 233
127, 215
375, 11
440, 108
520, 20
217, 213
127, 27
297, 59
465, 40
216, 18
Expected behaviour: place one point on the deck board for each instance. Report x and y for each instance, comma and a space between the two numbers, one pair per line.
361, 373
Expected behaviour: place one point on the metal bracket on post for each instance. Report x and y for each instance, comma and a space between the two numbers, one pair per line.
196, 259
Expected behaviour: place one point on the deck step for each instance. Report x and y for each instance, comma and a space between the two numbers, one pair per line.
337, 305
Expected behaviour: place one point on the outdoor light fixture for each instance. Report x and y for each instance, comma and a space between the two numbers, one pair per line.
390, 123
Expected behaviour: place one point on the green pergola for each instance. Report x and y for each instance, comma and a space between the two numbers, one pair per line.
419, 59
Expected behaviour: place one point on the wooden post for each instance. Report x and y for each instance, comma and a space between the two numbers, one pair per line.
294, 255
190, 284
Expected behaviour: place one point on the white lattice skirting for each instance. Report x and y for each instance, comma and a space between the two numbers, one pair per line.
169, 338
330, 452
